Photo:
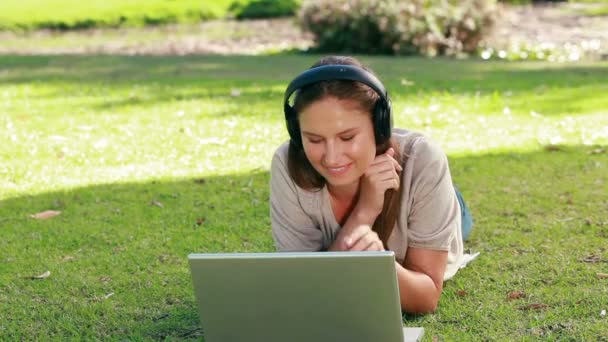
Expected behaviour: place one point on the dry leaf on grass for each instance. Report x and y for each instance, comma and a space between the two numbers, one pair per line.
534, 306
593, 258
553, 148
602, 275
67, 258
43, 275
462, 293
157, 203
597, 151
516, 295
200, 221
47, 214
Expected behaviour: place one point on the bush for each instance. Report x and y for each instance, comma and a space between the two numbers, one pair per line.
264, 8
430, 27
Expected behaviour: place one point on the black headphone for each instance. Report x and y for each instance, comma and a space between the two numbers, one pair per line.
381, 115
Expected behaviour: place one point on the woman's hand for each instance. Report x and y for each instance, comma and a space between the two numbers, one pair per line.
381, 175
360, 238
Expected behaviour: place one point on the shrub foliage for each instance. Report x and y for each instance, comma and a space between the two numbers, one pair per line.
429, 27
264, 8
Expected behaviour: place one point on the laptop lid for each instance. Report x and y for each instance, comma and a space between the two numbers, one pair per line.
319, 296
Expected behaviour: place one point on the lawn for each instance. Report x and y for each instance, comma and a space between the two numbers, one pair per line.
151, 158
69, 14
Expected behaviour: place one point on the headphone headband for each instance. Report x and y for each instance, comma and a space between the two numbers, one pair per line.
381, 113
335, 72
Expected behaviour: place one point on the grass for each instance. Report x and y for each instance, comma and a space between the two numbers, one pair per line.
598, 10
152, 158
74, 14
158, 39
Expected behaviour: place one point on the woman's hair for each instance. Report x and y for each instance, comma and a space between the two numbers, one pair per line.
300, 169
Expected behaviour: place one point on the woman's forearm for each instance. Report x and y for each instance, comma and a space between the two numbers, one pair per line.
419, 294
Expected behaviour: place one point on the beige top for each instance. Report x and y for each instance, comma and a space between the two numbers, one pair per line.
430, 215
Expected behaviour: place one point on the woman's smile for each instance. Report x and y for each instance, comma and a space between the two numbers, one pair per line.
338, 170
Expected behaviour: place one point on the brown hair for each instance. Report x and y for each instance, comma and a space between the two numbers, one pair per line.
300, 169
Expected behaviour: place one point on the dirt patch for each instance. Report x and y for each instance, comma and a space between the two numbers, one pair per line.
212, 37
559, 25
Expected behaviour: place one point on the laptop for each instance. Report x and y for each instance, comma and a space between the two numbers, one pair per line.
308, 296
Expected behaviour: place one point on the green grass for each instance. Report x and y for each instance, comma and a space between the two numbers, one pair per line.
103, 138
598, 10
74, 14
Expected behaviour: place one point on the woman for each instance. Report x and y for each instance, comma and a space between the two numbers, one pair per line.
346, 181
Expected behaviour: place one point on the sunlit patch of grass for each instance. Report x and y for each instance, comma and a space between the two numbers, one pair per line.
151, 158
71, 14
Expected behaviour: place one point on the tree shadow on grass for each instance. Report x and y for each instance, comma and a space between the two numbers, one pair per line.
117, 253
155, 80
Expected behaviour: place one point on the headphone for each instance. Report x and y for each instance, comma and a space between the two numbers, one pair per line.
381, 113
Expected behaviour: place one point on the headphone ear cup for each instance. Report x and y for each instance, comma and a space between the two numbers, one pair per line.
382, 121
293, 126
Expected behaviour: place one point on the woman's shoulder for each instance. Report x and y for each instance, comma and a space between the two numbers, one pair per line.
279, 158
282, 150
417, 145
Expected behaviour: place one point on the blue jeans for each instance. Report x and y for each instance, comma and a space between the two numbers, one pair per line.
465, 214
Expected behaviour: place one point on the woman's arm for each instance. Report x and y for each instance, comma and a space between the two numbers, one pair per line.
292, 228
421, 279
357, 233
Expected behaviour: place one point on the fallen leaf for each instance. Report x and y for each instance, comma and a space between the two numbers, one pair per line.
66, 258
105, 279
200, 181
462, 293
406, 82
534, 306
47, 214
593, 259
157, 203
200, 221
435, 339
597, 151
552, 148
43, 275
516, 295
602, 275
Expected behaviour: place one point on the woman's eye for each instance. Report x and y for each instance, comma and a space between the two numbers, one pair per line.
314, 141
347, 138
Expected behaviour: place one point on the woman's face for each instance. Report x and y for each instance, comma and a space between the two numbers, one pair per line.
338, 139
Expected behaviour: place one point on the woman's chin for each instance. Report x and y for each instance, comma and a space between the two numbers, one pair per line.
341, 181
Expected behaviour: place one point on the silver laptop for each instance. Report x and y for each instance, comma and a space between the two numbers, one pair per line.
326, 296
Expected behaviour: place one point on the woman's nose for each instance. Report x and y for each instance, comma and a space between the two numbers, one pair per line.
332, 154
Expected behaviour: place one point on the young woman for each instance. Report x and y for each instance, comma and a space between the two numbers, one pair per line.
347, 181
